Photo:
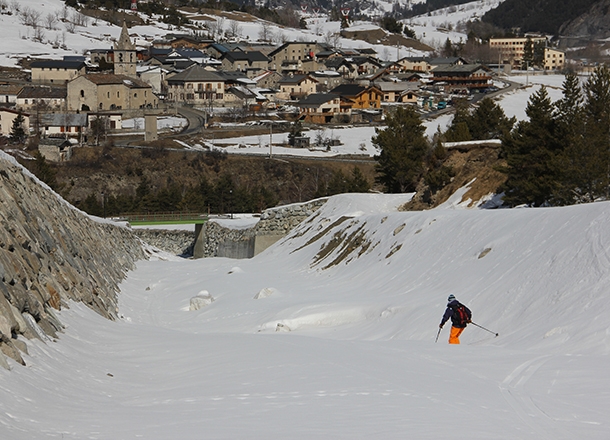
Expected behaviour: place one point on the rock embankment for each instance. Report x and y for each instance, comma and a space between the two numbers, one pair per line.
51, 254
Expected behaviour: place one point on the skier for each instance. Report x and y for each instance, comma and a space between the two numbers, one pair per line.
460, 317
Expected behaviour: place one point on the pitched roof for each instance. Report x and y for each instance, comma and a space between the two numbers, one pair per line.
324, 46
316, 99
109, 78
196, 73
459, 69
10, 89
15, 112
124, 42
42, 92
348, 90
57, 64
239, 55
295, 79
64, 119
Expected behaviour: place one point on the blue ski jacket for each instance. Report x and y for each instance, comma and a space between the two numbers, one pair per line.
450, 313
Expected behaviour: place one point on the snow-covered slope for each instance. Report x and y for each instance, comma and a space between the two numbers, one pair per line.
341, 341
69, 34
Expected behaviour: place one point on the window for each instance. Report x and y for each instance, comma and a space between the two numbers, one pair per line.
82, 93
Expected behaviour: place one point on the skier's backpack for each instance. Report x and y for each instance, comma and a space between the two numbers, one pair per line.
462, 317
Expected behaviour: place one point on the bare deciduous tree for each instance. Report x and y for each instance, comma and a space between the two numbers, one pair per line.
70, 26
50, 21
265, 34
234, 30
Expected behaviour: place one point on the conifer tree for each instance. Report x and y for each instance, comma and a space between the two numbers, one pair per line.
529, 151
488, 121
17, 133
578, 164
403, 150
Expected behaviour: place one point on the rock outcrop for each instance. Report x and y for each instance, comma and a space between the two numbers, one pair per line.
591, 26
52, 254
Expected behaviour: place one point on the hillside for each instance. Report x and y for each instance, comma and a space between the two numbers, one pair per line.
544, 16
331, 333
591, 25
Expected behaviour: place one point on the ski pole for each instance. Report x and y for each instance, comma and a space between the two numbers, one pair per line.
474, 323
437, 335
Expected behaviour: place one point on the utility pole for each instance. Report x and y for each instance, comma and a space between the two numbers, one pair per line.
271, 140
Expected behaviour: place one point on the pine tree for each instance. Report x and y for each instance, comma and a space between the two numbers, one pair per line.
403, 149
488, 121
578, 164
459, 130
597, 114
358, 183
44, 171
17, 133
529, 151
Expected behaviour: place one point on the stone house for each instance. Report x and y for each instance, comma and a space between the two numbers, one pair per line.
38, 98
294, 51
252, 63
268, 79
8, 93
410, 64
343, 66
63, 124
56, 72
294, 87
7, 116
197, 86
55, 149
327, 80
101, 91
154, 76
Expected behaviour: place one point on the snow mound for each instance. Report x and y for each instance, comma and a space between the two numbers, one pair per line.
265, 293
203, 299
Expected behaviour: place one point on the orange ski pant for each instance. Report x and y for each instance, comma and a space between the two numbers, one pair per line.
454, 336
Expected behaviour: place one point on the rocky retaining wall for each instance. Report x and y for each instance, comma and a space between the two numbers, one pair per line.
51, 253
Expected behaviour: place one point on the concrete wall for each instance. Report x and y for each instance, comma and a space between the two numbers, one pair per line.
214, 240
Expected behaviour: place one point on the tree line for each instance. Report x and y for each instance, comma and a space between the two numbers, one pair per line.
559, 156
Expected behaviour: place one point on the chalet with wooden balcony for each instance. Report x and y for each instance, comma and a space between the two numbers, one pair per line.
323, 108
362, 97
469, 77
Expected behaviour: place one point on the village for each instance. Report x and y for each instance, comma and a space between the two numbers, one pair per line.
82, 99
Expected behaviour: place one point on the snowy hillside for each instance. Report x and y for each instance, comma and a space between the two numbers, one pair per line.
62, 31
331, 333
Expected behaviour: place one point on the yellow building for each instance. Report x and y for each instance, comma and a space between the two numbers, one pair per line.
511, 50
554, 59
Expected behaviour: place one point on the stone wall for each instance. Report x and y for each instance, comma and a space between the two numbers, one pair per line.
173, 241
215, 240
51, 254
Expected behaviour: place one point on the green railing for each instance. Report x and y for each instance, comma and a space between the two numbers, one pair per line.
165, 218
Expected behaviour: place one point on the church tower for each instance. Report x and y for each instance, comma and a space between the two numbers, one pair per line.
125, 55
